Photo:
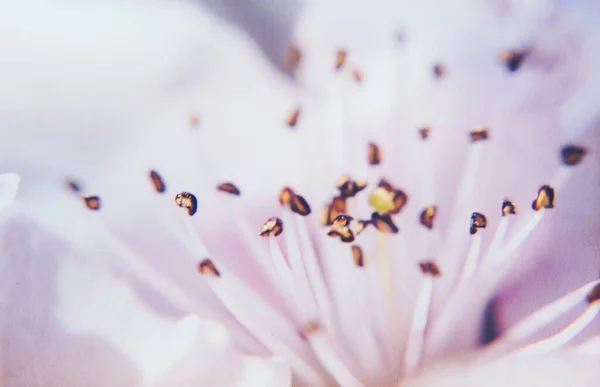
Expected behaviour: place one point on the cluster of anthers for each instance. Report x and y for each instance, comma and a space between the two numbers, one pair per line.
316, 335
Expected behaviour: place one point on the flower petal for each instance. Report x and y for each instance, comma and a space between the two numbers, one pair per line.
556, 370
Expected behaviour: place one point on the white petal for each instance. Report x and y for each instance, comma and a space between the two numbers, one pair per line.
557, 370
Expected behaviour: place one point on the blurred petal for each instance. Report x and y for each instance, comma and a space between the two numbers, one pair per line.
9, 183
556, 370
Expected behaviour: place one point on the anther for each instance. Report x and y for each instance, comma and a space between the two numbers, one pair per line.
360, 225
207, 267
193, 121
299, 205
358, 256
513, 60
384, 223
438, 70
74, 186
594, 294
310, 329
285, 196
230, 188
427, 216
572, 154
479, 133
478, 220
508, 207
273, 226
348, 187
292, 119
340, 228
92, 202
188, 201
430, 268
357, 75
292, 58
340, 59
424, 132
544, 198
374, 154
332, 210
157, 182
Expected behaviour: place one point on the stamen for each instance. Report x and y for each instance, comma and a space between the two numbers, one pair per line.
206, 266
438, 70
544, 198
384, 223
332, 210
340, 59
477, 221
340, 228
513, 59
229, 188
348, 187
572, 154
285, 196
508, 207
358, 256
427, 216
594, 295
292, 119
292, 58
472, 258
424, 133
565, 335
357, 75
273, 226
92, 202
329, 357
374, 154
480, 133
193, 121
157, 182
188, 201
360, 225
74, 186
299, 205
414, 347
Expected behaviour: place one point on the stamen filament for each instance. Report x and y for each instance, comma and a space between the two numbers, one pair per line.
414, 347
473, 257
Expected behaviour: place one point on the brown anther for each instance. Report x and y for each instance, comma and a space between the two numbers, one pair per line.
430, 268
572, 154
427, 216
74, 186
292, 119
299, 205
285, 196
384, 223
357, 75
310, 329
358, 256
193, 121
594, 294
340, 228
188, 201
480, 133
340, 59
385, 185
273, 226
157, 182
333, 209
348, 187
206, 266
513, 59
544, 198
230, 188
292, 58
92, 202
478, 221
399, 201
438, 70
374, 154
424, 132
508, 207
360, 225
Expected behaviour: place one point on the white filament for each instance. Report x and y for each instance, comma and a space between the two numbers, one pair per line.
414, 347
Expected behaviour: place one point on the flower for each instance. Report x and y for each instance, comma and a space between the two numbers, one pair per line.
459, 120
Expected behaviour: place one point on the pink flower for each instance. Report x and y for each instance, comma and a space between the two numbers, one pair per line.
466, 136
